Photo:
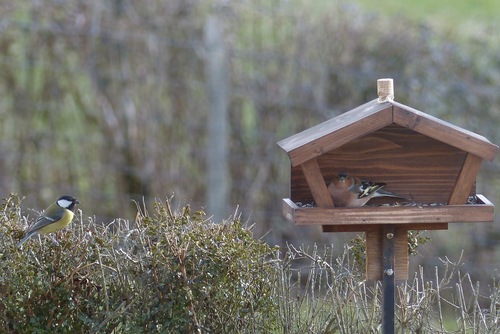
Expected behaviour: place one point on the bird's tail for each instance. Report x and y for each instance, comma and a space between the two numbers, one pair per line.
385, 193
29, 235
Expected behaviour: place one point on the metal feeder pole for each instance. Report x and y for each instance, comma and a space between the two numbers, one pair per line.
388, 286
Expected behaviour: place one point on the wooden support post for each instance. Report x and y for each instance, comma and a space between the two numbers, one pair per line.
465, 180
374, 253
317, 184
401, 253
388, 286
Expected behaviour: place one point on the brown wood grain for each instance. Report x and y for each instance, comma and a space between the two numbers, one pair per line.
443, 131
410, 163
401, 260
374, 265
465, 180
316, 184
391, 214
374, 253
337, 131
418, 156
364, 227
371, 116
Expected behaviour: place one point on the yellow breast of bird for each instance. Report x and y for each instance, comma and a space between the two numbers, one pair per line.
58, 225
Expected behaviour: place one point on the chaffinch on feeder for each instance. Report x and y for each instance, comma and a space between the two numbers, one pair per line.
351, 191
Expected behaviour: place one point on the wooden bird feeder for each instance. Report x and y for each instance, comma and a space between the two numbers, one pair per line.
417, 155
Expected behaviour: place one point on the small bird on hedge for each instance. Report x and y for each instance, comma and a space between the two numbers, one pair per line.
351, 191
56, 217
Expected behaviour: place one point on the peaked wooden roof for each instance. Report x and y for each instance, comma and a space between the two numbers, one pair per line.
372, 116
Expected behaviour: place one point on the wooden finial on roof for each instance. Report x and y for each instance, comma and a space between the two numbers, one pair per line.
385, 90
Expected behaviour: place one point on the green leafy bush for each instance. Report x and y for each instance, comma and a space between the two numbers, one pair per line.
169, 272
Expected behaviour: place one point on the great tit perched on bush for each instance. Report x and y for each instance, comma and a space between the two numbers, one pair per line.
56, 217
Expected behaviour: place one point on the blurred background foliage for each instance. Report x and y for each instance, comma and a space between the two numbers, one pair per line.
107, 100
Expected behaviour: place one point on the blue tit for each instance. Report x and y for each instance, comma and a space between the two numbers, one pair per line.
56, 217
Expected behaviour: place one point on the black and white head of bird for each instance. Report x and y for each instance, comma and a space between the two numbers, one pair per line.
368, 187
67, 202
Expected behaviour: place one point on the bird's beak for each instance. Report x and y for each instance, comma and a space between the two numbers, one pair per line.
77, 202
